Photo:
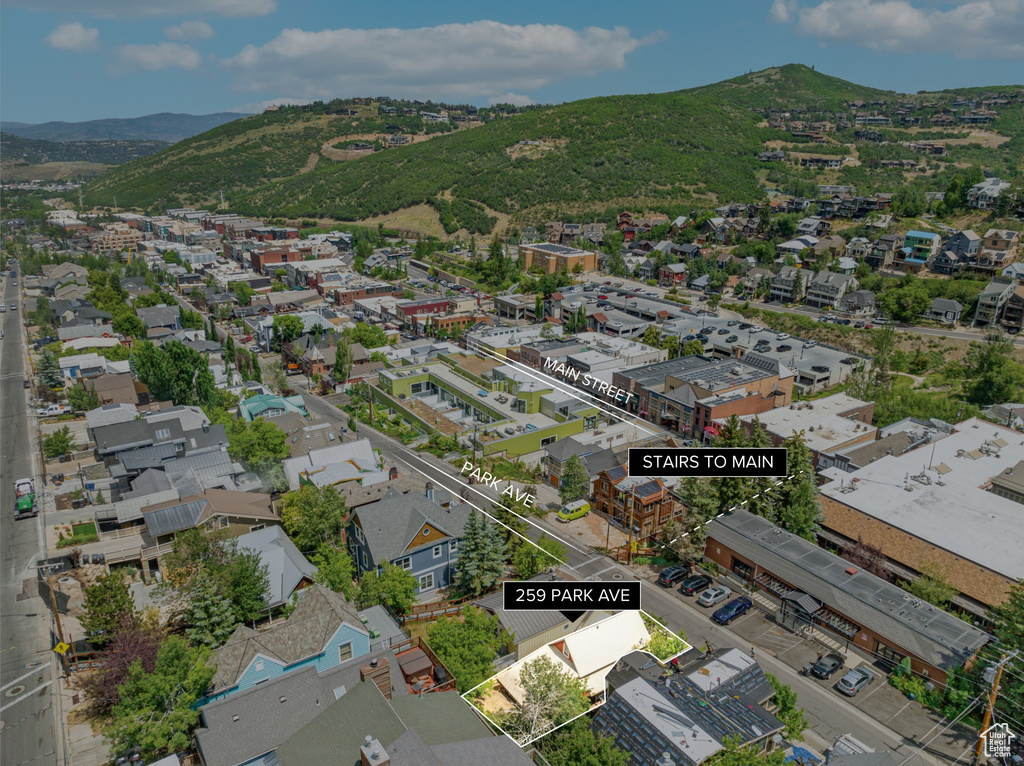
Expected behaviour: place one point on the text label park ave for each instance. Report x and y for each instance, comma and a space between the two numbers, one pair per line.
480, 476
714, 461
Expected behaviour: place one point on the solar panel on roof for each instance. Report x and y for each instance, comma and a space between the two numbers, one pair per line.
618, 472
648, 488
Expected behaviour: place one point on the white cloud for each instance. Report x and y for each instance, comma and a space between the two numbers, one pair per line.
516, 99
189, 30
73, 37
972, 29
478, 60
149, 58
112, 8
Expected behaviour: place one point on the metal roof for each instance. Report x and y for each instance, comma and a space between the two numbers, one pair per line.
165, 521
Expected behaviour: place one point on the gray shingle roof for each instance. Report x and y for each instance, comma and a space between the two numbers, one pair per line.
227, 742
523, 624
494, 751
391, 524
286, 566
334, 737
317, 617
159, 316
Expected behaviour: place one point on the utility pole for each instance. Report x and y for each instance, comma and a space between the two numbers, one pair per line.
997, 674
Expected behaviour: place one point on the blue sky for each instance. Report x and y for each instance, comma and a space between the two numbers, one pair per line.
88, 59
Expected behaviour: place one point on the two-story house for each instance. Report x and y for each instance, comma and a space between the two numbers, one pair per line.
999, 248
417, 533
1013, 313
883, 251
827, 289
642, 502
992, 301
324, 631
983, 196
924, 244
858, 248
790, 284
964, 243
167, 317
948, 262
858, 303
672, 274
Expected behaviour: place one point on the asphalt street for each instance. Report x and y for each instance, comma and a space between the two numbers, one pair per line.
27, 664
828, 715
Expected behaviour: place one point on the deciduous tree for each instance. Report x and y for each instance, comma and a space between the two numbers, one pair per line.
551, 697
314, 516
468, 647
107, 602
394, 588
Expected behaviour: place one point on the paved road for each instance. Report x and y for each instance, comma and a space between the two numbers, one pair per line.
26, 666
828, 715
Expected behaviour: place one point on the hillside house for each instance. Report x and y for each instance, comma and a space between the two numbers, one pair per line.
992, 301
1013, 313
983, 196
827, 289
964, 243
790, 284
946, 311
883, 252
858, 303
999, 248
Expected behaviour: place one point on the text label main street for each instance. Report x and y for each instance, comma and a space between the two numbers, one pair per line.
712, 461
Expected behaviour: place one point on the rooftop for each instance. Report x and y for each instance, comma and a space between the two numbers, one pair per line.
822, 421
946, 504
928, 632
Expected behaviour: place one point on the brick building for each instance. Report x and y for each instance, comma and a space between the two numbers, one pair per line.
644, 503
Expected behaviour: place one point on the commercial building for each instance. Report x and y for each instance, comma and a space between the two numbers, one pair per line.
946, 509
507, 411
689, 393
554, 258
831, 424
819, 589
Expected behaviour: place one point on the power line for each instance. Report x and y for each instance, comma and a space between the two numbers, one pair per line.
923, 745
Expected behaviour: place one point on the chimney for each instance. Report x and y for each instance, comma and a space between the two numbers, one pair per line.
666, 759
430, 490
206, 428
372, 753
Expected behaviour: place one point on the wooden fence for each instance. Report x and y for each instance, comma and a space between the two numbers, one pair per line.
431, 612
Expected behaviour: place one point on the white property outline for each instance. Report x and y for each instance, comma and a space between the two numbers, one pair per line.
686, 647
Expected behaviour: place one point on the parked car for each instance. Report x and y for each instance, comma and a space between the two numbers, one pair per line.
782, 336
848, 360
724, 331
733, 322
732, 339
673, 574
732, 610
754, 329
810, 343
745, 325
821, 368
14, 307
716, 594
827, 665
784, 347
694, 584
855, 680
53, 410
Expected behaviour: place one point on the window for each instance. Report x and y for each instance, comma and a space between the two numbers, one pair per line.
417, 388
345, 651
163, 433
427, 582
426, 531
405, 563
887, 654
258, 526
366, 564
453, 545
437, 551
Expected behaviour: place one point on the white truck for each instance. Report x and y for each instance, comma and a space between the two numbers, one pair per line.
53, 410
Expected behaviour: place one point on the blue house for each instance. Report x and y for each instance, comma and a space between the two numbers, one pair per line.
418, 533
324, 631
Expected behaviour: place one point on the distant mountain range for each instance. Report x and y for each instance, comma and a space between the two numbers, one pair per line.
19, 150
166, 127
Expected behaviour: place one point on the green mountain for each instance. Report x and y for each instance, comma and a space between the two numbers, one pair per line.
661, 152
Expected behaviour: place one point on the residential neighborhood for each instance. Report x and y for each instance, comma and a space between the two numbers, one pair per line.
326, 443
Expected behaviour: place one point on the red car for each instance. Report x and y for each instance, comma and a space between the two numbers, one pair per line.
607, 283
602, 297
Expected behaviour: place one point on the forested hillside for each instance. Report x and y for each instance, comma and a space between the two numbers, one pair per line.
653, 152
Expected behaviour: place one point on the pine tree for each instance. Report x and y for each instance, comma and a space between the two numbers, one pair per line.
732, 490
798, 493
481, 560
574, 483
211, 618
49, 370
763, 490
